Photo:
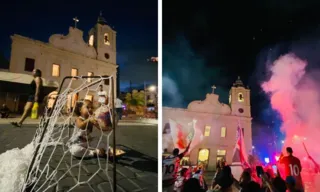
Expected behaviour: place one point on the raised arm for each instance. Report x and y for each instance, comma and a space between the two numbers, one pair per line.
181, 155
299, 165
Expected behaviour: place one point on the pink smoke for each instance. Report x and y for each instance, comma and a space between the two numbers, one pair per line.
294, 93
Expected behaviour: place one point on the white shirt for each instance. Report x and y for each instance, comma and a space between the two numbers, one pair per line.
118, 103
102, 96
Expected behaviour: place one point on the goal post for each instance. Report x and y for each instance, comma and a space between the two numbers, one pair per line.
49, 120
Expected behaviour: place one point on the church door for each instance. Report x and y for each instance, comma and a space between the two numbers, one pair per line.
203, 157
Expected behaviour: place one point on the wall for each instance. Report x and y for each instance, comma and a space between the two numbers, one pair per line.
214, 141
45, 55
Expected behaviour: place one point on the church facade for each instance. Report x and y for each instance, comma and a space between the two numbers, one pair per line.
217, 122
67, 55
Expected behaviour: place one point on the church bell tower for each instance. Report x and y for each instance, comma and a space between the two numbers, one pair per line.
103, 38
239, 99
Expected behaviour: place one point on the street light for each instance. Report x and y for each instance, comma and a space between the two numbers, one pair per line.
282, 141
152, 88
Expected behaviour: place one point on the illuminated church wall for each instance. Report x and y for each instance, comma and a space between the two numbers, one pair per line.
217, 124
66, 55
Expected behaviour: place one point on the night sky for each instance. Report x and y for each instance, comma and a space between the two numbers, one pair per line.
134, 21
213, 43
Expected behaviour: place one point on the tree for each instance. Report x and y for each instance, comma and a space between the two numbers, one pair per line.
135, 101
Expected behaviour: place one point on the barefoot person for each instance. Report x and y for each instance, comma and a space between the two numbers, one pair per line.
79, 143
36, 95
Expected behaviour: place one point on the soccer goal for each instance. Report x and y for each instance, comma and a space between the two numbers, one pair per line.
71, 144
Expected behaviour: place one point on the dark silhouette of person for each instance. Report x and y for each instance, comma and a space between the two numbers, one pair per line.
4, 111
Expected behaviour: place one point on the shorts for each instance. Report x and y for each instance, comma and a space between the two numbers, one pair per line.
31, 99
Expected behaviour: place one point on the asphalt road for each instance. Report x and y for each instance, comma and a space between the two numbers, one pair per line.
136, 169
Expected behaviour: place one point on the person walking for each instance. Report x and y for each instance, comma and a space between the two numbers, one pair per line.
35, 95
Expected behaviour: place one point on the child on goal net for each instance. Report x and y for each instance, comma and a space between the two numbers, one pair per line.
79, 143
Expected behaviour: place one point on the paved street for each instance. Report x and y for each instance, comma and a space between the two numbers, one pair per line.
136, 169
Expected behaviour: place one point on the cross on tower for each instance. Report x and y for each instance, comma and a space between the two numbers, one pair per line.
76, 20
213, 88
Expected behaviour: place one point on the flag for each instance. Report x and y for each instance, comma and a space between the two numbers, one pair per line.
181, 135
240, 154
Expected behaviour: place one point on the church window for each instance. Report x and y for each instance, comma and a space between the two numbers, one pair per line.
240, 97
90, 74
91, 40
203, 157
221, 152
223, 131
74, 72
243, 132
207, 130
29, 64
55, 70
106, 39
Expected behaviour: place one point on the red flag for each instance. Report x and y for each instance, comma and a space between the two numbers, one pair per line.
181, 135
240, 154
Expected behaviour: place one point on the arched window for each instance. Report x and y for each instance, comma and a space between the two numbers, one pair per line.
91, 40
240, 97
106, 39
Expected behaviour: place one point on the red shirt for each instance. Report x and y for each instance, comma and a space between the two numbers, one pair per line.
292, 167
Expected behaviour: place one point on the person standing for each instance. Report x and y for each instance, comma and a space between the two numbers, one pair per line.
171, 165
292, 167
119, 108
4, 111
101, 96
35, 95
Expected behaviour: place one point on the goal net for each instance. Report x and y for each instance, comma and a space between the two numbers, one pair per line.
71, 144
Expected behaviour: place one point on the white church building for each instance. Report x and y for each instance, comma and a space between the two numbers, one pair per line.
66, 55
218, 123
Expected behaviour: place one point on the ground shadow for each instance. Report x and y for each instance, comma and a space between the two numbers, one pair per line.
137, 160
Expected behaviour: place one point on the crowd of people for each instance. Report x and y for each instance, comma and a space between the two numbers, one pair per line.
285, 176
